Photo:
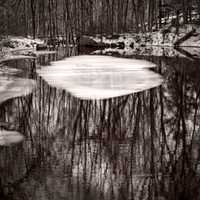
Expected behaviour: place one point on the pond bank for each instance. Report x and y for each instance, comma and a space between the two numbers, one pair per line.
22, 48
170, 42
186, 35
167, 41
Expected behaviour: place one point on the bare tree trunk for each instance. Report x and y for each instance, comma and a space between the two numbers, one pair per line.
33, 12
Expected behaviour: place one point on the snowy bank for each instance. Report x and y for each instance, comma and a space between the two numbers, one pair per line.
166, 37
17, 43
20, 48
142, 51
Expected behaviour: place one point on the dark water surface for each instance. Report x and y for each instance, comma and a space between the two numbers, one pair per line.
144, 146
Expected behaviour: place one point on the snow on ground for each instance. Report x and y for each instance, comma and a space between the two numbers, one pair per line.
22, 42
17, 43
141, 39
151, 43
13, 48
158, 43
166, 37
143, 51
100, 77
126, 38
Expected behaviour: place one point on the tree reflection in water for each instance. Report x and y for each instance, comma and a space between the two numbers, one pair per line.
141, 146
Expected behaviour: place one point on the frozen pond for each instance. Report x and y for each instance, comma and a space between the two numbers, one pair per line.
113, 129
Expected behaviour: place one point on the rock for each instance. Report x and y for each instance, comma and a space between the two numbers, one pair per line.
121, 45
86, 41
103, 45
52, 41
89, 42
113, 45
132, 45
113, 37
41, 47
8, 43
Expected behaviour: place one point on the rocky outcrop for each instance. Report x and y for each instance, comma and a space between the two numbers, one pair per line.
90, 42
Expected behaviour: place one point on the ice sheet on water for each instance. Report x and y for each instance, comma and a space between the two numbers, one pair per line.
45, 52
15, 87
15, 57
100, 77
98, 61
10, 137
5, 70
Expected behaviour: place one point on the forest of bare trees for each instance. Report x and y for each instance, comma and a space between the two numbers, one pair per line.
52, 18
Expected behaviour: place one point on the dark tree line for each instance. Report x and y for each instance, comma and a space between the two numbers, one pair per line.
52, 18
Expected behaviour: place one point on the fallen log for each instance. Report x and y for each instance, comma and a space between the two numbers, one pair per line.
185, 37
